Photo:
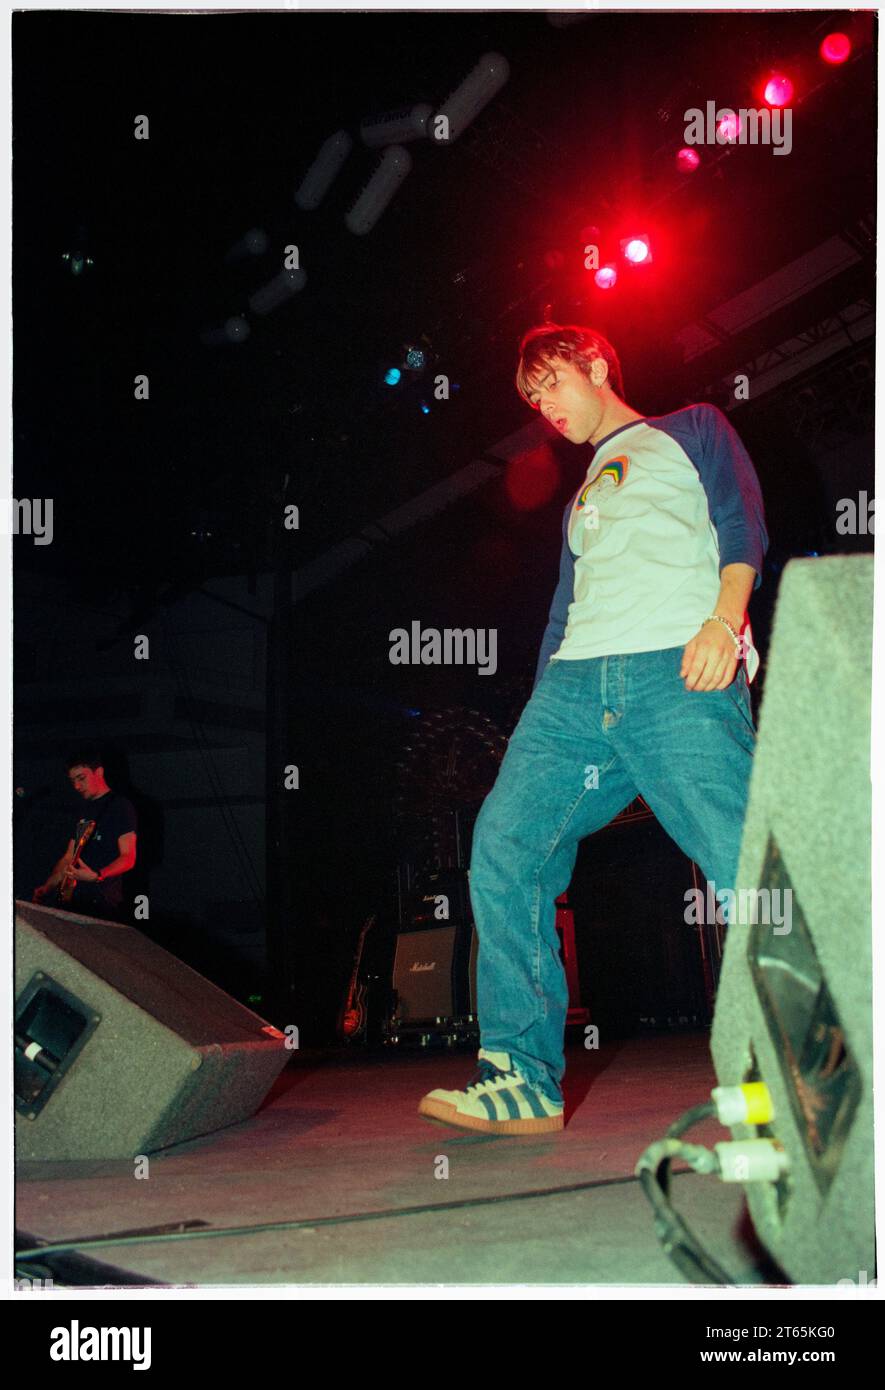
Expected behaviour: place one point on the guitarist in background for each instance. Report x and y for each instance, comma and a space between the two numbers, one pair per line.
109, 852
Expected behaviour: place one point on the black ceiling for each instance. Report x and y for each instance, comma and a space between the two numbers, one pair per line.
584, 132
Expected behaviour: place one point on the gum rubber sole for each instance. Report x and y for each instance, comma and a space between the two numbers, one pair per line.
450, 1115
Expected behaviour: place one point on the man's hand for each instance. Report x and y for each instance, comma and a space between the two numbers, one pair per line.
710, 659
82, 873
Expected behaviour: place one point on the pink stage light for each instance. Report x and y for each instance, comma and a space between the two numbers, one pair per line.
687, 160
778, 90
835, 48
729, 128
606, 277
637, 250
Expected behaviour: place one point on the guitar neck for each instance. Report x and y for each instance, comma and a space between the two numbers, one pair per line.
358, 957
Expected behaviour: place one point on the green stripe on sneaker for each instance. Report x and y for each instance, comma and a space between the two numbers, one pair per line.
527, 1094
513, 1111
490, 1107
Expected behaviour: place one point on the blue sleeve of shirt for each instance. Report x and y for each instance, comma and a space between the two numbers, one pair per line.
729, 479
565, 592
734, 495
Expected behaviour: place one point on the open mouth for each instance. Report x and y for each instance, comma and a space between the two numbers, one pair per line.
561, 424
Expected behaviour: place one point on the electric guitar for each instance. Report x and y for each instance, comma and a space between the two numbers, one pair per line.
352, 1019
85, 831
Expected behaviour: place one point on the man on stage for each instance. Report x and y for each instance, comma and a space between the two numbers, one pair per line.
641, 689
109, 853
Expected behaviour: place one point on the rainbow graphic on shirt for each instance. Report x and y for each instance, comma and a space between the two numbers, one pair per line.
615, 468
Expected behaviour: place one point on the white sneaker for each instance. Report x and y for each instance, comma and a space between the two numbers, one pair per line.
497, 1100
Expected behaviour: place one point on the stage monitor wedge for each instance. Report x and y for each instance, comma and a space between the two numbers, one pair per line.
121, 1049
794, 1006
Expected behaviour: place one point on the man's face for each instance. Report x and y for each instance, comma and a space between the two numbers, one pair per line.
568, 400
88, 781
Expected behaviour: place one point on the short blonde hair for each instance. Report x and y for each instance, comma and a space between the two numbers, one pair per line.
570, 343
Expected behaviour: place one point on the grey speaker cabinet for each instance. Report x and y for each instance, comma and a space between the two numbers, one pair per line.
120, 1048
794, 1006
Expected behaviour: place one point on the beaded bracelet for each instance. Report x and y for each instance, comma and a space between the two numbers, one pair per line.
716, 619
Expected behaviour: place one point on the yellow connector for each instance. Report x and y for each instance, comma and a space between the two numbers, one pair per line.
750, 1104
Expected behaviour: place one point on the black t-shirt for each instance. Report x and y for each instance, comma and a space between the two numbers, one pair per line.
114, 816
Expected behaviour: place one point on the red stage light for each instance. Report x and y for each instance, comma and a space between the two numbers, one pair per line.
835, 48
636, 249
778, 90
532, 479
687, 160
729, 127
606, 277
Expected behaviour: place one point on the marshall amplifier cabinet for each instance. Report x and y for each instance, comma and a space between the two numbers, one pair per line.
434, 970
434, 981
437, 899
434, 973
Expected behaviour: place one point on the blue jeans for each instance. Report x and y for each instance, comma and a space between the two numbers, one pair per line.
687, 752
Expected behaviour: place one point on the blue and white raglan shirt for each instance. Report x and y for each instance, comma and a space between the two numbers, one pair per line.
667, 502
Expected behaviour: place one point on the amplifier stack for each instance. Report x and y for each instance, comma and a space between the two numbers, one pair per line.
434, 968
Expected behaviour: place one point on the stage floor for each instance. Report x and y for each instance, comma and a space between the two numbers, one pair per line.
339, 1137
